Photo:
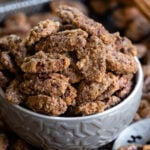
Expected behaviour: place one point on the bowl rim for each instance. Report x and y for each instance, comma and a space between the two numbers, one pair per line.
139, 81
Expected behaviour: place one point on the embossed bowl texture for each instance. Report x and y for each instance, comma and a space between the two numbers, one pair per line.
88, 132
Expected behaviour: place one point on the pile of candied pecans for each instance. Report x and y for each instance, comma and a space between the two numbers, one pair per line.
70, 67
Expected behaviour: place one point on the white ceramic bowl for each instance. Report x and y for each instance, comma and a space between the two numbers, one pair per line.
89, 132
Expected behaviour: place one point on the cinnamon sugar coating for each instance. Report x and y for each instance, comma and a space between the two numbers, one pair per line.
89, 91
17, 48
55, 85
112, 101
90, 108
12, 53
111, 89
13, 94
70, 96
43, 29
45, 63
73, 74
92, 60
68, 40
121, 63
46, 104
78, 19
7, 61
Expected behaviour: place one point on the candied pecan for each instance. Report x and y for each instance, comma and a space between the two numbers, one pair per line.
3, 142
36, 18
92, 63
121, 44
13, 94
90, 108
109, 92
7, 61
121, 63
43, 29
113, 87
73, 74
89, 91
68, 40
70, 95
17, 49
47, 105
116, 42
126, 90
78, 19
124, 80
44, 62
144, 109
13, 51
67, 92
55, 85
111, 101
125, 83
128, 48
73, 3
